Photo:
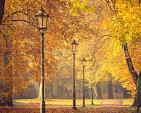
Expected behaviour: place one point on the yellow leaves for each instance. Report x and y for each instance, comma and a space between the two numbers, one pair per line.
126, 23
79, 5
124, 27
30, 64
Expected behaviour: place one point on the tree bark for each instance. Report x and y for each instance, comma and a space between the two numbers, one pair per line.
6, 97
129, 63
62, 90
37, 88
98, 90
40, 91
68, 93
92, 96
110, 89
6, 83
130, 67
58, 88
51, 91
2, 4
95, 92
125, 94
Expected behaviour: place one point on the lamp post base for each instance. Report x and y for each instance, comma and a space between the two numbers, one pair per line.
42, 110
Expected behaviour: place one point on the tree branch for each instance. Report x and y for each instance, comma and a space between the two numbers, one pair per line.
26, 22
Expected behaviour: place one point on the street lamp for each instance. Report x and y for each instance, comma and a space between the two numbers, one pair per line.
42, 20
74, 50
83, 66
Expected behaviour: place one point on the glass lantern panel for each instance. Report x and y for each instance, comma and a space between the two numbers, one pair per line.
83, 62
44, 24
40, 21
74, 48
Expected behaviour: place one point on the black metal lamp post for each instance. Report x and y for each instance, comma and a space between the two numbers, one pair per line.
74, 47
83, 66
42, 20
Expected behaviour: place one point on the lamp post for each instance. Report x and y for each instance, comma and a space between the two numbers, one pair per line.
83, 69
42, 20
74, 47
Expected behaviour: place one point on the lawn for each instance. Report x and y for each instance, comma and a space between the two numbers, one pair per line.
127, 102
65, 106
68, 102
57, 102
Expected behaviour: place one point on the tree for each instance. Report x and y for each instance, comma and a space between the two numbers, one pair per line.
126, 26
22, 45
120, 15
2, 4
110, 88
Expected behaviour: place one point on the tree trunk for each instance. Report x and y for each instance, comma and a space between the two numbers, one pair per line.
40, 91
68, 93
58, 91
98, 90
51, 90
130, 67
37, 88
52, 94
61, 90
6, 81
95, 92
92, 96
125, 94
87, 93
6, 93
2, 4
110, 89
129, 63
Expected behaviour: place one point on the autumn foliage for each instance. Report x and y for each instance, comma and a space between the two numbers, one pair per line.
101, 27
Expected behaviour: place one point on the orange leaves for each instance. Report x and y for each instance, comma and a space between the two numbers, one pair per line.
64, 110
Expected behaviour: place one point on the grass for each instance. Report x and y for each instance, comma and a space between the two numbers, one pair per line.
65, 106
58, 102
68, 102
127, 102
